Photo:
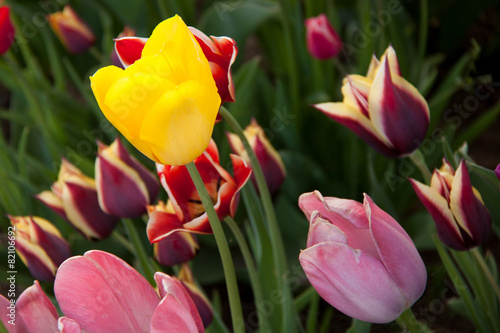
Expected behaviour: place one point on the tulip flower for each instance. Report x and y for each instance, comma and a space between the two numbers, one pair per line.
74, 197
7, 31
33, 312
178, 247
188, 212
165, 103
102, 293
40, 246
462, 220
382, 108
220, 52
359, 259
73, 33
185, 276
323, 42
124, 186
114, 56
497, 171
270, 161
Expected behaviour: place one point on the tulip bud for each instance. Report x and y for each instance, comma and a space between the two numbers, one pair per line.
73, 33
382, 108
74, 197
497, 171
40, 246
462, 220
124, 186
7, 31
190, 216
270, 161
176, 248
359, 259
114, 57
323, 42
185, 276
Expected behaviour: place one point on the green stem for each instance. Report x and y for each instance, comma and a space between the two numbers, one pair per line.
116, 235
480, 260
419, 161
163, 9
252, 272
278, 253
139, 251
225, 254
408, 321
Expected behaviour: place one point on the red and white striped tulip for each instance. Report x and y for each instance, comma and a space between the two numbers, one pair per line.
382, 108
359, 259
461, 218
189, 213
323, 42
102, 293
114, 57
219, 51
74, 197
40, 246
124, 186
72, 31
269, 159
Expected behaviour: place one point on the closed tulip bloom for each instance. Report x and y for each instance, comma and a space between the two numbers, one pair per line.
178, 247
166, 102
188, 212
124, 186
269, 159
497, 171
7, 32
102, 293
382, 108
40, 246
74, 197
462, 220
359, 259
73, 33
323, 42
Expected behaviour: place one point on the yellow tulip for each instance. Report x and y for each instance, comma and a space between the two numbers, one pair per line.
165, 103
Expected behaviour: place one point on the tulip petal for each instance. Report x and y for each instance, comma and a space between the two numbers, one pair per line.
175, 249
180, 125
470, 213
177, 306
129, 49
397, 110
53, 202
352, 281
68, 325
359, 124
242, 173
321, 230
397, 252
162, 224
104, 294
8, 314
36, 310
437, 206
270, 161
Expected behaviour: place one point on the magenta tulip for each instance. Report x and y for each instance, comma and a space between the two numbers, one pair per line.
323, 42
462, 220
104, 294
359, 259
7, 32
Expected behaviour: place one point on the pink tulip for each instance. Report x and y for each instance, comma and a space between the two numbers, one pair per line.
102, 293
323, 42
359, 259
462, 220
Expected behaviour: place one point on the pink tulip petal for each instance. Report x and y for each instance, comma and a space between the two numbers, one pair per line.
438, 208
177, 306
104, 294
397, 252
36, 310
470, 213
68, 325
353, 281
8, 313
202, 304
129, 49
161, 225
359, 124
121, 190
84, 213
397, 110
322, 230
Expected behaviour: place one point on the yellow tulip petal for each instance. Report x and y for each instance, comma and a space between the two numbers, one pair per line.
180, 125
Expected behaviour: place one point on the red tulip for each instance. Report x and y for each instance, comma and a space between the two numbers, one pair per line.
189, 213
323, 42
7, 31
